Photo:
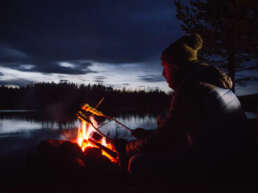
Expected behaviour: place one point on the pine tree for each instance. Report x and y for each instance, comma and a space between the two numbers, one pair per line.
229, 29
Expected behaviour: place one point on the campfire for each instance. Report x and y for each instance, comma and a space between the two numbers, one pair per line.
79, 157
89, 134
89, 137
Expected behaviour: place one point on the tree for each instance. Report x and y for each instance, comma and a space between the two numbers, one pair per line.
229, 29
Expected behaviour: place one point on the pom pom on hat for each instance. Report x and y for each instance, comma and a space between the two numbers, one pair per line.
185, 49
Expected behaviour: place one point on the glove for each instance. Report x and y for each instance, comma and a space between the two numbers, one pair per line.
140, 133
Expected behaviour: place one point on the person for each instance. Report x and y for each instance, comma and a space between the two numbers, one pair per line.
204, 130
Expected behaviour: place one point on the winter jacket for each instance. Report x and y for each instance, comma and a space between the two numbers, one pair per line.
205, 118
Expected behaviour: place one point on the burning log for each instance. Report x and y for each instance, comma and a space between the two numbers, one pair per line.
110, 152
83, 117
96, 136
86, 156
88, 131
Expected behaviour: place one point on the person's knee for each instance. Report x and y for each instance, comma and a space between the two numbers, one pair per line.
141, 164
134, 163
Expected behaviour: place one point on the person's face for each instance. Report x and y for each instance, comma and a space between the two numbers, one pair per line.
169, 72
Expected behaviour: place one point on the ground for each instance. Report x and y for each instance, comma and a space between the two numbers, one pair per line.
16, 176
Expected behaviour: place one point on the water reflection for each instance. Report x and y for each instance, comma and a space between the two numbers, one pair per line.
22, 131
114, 130
17, 125
20, 124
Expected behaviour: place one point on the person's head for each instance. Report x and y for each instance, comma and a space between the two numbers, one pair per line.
177, 56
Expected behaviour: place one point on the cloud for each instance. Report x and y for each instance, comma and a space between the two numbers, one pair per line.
92, 38
55, 67
26, 67
151, 78
48, 66
104, 31
100, 79
8, 54
16, 59
66, 64
19, 82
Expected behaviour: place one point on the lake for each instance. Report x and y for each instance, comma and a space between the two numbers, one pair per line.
19, 130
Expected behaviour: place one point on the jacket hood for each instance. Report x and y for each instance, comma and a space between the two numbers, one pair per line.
204, 73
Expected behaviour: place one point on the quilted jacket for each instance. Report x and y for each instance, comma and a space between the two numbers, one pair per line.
205, 117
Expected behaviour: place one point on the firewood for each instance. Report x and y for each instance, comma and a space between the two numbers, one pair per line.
110, 152
86, 119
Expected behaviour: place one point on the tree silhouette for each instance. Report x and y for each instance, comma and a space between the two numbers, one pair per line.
229, 29
63, 100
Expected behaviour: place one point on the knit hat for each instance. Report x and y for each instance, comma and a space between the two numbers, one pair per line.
183, 50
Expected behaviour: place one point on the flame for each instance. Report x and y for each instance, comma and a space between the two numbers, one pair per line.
85, 132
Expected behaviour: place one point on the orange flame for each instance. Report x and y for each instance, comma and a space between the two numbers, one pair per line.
85, 132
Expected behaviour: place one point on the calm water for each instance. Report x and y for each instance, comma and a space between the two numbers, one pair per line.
19, 131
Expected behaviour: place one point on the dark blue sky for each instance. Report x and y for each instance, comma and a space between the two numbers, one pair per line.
115, 42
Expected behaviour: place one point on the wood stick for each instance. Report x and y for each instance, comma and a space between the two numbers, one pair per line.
83, 117
118, 122
110, 152
96, 112
99, 103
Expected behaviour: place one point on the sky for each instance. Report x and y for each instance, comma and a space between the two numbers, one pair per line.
117, 43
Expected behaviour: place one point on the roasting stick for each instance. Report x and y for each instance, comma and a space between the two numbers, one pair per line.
99, 103
118, 122
94, 111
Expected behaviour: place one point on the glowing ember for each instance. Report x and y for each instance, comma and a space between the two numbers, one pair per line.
85, 133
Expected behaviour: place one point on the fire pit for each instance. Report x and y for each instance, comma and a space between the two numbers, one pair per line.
91, 155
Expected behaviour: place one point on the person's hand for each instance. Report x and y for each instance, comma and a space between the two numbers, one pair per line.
140, 133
